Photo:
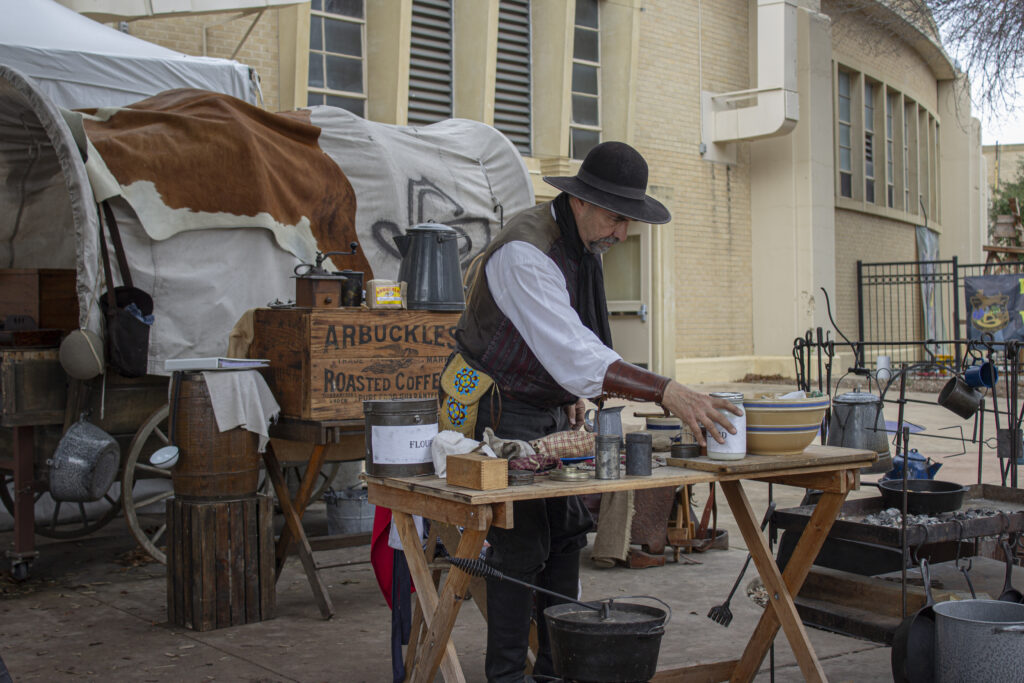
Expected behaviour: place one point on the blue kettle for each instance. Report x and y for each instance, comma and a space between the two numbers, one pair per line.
920, 467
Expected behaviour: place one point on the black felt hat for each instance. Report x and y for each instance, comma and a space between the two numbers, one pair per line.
614, 177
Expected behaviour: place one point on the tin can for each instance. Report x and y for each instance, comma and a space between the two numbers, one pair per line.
735, 446
606, 456
638, 454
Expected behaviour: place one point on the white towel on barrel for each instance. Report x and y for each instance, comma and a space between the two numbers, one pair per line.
241, 398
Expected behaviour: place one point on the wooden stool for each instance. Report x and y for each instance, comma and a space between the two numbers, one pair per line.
220, 562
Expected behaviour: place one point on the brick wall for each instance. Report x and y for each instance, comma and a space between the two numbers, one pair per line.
185, 34
710, 203
861, 236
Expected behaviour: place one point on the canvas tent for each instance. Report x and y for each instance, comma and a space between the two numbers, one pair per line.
78, 62
214, 265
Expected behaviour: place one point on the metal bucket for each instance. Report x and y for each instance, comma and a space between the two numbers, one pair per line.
398, 436
211, 464
857, 422
620, 649
979, 640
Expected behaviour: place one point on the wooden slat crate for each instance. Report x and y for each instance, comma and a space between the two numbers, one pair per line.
220, 562
325, 362
46, 294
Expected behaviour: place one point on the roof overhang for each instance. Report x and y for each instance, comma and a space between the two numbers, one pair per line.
126, 10
919, 32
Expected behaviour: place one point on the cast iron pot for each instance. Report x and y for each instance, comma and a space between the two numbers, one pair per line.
924, 496
619, 649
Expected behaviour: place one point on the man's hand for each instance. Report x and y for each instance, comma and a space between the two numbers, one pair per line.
699, 410
575, 412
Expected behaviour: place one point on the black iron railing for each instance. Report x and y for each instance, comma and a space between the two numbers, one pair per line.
892, 319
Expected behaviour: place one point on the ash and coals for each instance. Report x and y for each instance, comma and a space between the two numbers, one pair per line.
891, 517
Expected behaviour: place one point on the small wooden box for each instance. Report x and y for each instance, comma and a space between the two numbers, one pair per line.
475, 471
325, 362
46, 294
318, 292
220, 562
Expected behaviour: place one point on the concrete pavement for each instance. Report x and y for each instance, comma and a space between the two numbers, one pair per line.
91, 611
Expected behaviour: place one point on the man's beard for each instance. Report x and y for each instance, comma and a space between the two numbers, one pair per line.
599, 247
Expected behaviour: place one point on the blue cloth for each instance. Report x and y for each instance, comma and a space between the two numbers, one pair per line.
136, 313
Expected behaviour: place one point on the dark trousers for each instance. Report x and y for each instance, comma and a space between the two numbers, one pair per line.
542, 548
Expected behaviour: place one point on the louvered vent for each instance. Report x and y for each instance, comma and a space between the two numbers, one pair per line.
430, 62
512, 87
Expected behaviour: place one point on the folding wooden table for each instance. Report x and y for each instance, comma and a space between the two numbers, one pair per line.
833, 470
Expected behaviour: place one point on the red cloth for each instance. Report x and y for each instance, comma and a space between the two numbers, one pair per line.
381, 554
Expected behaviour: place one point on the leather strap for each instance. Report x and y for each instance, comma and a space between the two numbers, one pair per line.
625, 380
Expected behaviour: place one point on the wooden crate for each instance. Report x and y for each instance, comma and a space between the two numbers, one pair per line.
33, 387
46, 294
325, 362
220, 562
475, 471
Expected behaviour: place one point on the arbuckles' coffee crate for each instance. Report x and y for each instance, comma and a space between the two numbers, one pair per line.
325, 362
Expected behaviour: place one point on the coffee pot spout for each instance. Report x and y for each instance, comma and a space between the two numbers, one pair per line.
402, 242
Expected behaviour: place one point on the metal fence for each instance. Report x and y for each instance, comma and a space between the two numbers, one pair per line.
901, 305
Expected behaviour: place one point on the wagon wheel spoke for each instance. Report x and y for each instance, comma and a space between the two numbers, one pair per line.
152, 469
156, 498
150, 484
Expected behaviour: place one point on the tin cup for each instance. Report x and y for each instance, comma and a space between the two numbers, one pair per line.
960, 397
981, 375
606, 456
638, 454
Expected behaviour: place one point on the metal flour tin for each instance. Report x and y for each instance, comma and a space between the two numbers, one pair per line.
398, 436
735, 446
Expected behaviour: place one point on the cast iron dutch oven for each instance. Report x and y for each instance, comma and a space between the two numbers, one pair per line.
913, 643
924, 496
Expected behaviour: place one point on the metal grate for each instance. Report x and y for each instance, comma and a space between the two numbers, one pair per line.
512, 86
430, 62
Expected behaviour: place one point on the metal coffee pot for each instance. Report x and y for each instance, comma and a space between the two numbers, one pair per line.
857, 422
430, 267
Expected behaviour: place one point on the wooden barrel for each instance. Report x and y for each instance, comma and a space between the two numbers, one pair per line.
211, 464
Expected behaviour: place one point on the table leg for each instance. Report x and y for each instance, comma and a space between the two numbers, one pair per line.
293, 524
439, 611
301, 502
782, 587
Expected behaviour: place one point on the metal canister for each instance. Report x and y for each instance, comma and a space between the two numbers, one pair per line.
606, 456
735, 446
638, 454
398, 436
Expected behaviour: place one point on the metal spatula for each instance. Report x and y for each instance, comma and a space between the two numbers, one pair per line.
721, 614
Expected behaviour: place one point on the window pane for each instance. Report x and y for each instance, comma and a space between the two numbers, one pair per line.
348, 8
869, 192
316, 71
586, 13
343, 37
585, 45
844, 135
584, 78
316, 33
344, 73
584, 110
314, 98
890, 198
844, 84
844, 159
351, 104
583, 141
316, 4
846, 184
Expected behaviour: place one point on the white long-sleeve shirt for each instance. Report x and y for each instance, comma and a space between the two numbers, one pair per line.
531, 291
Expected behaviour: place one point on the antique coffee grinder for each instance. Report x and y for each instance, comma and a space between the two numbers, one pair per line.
317, 287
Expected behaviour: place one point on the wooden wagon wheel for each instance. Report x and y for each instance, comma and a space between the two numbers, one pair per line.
147, 526
61, 519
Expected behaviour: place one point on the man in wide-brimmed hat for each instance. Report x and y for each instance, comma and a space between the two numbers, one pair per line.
533, 341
